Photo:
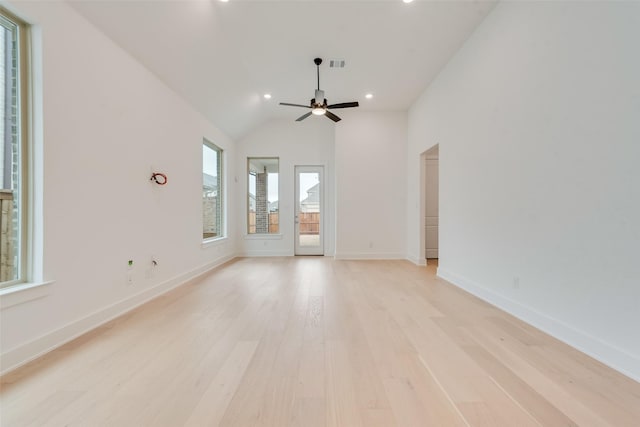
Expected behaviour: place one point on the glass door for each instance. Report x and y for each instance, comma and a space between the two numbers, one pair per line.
309, 199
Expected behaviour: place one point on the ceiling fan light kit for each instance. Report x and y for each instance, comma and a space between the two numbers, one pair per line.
318, 103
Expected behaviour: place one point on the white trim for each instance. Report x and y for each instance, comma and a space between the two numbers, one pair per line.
31, 350
297, 248
606, 353
36, 157
369, 255
24, 292
417, 260
262, 236
266, 253
221, 185
217, 241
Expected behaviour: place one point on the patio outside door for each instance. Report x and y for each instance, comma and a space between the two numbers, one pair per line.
308, 215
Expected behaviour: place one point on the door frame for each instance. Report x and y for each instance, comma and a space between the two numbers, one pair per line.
424, 156
313, 250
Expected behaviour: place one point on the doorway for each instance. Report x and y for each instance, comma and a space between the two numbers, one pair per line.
430, 194
309, 217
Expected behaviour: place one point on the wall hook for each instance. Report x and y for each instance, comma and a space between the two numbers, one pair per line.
159, 178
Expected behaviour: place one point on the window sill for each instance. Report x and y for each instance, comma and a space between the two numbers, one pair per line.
263, 236
217, 241
24, 292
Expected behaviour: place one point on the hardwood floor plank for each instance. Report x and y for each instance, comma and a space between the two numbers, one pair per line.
537, 406
309, 412
414, 396
341, 402
543, 384
216, 398
312, 341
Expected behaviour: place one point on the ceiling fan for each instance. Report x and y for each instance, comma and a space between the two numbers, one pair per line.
318, 104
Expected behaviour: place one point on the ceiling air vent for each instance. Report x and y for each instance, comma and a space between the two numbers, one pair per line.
336, 63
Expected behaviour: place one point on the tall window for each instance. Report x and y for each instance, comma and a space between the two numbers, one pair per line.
13, 144
212, 201
263, 210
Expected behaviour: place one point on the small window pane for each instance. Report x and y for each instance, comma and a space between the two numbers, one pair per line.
263, 205
10, 155
212, 212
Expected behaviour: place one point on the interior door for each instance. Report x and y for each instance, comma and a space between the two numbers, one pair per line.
309, 217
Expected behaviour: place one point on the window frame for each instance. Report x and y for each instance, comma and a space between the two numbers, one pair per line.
221, 207
248, 194
25, 204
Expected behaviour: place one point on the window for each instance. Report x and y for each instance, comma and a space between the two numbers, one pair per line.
13, 145
262, 203
212, 200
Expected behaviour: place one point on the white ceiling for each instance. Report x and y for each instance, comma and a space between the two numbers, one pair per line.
222, 57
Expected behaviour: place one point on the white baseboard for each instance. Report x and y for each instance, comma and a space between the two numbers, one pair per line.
608, 354
416, 260
250, 254
369, 255
31, 350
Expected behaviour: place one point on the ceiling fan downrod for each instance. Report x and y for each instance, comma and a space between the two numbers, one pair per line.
318, 61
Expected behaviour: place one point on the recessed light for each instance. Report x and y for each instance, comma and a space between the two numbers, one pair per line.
224, 1
404, 1
267, 96
369, 96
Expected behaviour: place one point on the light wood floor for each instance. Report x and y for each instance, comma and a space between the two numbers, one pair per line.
317, 342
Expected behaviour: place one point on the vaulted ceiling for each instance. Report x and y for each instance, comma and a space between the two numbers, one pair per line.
222, 57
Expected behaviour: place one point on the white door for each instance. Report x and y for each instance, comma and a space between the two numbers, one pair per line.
309, 217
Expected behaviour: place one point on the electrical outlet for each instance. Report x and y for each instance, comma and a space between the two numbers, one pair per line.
153, 265
129, 276
516, 282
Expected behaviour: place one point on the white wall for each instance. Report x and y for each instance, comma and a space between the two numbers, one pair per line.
107, 122
537, 118
308, 143
371, 158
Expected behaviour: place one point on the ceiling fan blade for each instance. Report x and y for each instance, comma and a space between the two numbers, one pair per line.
294, 105
344, 105
332, 116
304, 116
